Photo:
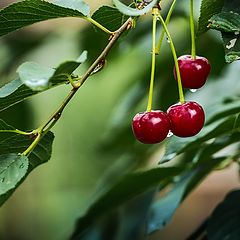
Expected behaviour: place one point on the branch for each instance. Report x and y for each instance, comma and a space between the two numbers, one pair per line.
43, 129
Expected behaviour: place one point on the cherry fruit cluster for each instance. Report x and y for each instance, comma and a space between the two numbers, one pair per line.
182, 119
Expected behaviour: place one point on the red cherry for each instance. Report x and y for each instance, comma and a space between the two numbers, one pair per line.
151, 127
186, 119
194, 72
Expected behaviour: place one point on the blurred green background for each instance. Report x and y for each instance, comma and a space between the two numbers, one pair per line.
47, 204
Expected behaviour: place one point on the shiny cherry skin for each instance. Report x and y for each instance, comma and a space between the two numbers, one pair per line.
150, 127
186, 119
194, 72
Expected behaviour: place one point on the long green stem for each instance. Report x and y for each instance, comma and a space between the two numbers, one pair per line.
89, 19
192, 27
155, 13
159, 44
180, 89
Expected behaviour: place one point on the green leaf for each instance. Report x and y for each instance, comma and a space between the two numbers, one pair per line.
13, 168
25, 13
210, 148
5, 127
203, 162
177, 145
131, 11
78, 5
15, 91
109, 17
231, 43
9, 88
232, 5
229, 24
225, 221
226, 22
35, 76
224, 109
13, 142
40, 78
208, 9
128, 187
163, 209
127, 222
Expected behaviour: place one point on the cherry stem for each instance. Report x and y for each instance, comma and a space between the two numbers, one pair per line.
192, 27
166, 22
155, 13
180, 89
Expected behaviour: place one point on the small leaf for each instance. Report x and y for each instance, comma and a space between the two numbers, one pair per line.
13, 167
35, 76
9, 88
78, 5
15, 91
109, 17
12, 143
40, 78
208, 9
131, 11
25, 13
225, 221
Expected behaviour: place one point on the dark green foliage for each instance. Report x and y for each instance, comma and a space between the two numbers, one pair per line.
228, 23
12, 143
25, 13
123, 206
224, 221
208, 9
109, 17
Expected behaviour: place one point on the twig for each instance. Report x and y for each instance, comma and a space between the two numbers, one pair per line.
44, 128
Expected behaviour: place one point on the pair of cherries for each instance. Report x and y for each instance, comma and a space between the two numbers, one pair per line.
182, 119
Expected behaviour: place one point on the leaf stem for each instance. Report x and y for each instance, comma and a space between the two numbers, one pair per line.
98, 25
155, 13
52, 120
180, 89
70, 80
192, 27
16, 131
159, 44
33, 145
